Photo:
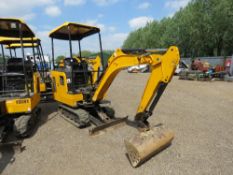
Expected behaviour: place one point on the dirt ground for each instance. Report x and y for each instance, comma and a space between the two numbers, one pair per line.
200, 113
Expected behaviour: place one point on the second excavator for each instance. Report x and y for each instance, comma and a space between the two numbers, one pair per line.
80, 85
19, 82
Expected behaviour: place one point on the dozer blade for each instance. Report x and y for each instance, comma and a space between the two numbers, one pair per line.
146, 144
101, 126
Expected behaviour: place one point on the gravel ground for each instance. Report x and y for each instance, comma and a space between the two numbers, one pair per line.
200, 113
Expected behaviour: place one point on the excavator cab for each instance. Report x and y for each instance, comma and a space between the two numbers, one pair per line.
82, 100
77, 32
38, 62
20, 82
81, 76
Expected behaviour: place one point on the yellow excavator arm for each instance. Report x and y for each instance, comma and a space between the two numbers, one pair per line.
163, 63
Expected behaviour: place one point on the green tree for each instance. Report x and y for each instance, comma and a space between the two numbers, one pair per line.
202, 28
86, 53
59, 58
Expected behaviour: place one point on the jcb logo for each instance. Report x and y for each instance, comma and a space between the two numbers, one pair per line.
22, 101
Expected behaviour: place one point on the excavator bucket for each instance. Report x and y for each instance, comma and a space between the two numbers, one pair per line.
146, 144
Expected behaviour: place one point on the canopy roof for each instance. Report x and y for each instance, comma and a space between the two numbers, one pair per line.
17, 45
8, 40
9, 27
77, 31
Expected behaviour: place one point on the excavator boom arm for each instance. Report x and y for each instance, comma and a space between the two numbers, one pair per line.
162, 66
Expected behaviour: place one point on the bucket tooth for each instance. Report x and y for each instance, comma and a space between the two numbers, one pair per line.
146, 144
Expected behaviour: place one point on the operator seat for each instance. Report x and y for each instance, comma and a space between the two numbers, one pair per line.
81, 74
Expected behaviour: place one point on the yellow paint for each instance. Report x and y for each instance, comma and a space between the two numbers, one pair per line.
42, 87
60, 92
74, 29
9, 40
17, 45
96, 64
14, 20
36, 82
22, 105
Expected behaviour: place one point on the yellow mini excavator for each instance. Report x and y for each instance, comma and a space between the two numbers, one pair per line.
81, 96
19, 82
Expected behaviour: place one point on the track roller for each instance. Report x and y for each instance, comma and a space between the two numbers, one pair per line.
78, 117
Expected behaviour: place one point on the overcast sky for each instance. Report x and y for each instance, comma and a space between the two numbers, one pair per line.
116, 18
